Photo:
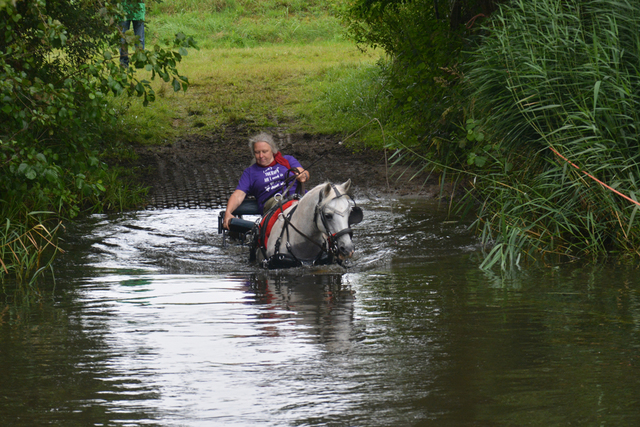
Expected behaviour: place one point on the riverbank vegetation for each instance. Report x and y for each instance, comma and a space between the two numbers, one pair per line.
557, 92
535, 112
59, 71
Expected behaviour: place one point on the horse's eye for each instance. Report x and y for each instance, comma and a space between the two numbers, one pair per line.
329, 217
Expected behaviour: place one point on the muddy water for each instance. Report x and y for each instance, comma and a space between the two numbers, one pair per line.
152, 322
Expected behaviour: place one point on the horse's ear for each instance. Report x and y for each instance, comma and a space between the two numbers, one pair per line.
346, 186
326, 190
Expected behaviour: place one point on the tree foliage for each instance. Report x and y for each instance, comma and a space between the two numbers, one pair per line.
58, 67
427, 44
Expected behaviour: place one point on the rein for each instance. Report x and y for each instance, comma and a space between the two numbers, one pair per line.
291, 179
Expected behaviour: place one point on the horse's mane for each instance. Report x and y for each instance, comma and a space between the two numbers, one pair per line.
317, 189
313, 194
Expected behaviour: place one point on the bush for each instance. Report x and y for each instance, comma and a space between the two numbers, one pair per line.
59, 63
421, 102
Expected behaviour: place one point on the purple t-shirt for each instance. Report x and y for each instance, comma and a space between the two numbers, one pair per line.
263, 183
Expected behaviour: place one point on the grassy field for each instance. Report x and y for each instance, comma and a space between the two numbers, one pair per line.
263, 64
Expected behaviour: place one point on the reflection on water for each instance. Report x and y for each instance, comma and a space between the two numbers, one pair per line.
209, 347
154, 323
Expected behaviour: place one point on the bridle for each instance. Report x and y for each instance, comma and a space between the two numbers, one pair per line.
330, 247
355, 216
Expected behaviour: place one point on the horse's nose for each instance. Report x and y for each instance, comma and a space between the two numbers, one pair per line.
346, 251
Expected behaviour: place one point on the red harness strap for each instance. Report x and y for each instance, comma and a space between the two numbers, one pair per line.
272, 220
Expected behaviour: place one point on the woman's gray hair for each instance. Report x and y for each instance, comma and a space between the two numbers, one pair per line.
263, 137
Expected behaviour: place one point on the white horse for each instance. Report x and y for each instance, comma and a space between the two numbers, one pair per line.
316, 230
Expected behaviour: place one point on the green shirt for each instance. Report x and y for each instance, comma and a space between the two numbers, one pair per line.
134, 10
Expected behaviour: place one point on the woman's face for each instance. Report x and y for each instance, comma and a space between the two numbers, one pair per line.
262, 152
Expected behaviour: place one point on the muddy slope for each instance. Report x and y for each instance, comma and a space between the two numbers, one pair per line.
202, 171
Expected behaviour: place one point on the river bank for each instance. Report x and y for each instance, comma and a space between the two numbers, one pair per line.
202, 170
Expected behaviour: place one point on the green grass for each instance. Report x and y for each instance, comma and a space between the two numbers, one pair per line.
228, 30
263, 64
350, 103
263, 86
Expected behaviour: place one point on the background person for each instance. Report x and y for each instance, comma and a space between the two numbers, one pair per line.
134, 15
264, 178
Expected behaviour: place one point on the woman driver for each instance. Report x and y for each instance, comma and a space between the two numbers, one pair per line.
264, 178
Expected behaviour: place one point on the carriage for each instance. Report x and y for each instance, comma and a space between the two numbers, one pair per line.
313, 229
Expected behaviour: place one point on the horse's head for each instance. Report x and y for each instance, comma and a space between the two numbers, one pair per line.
335, 213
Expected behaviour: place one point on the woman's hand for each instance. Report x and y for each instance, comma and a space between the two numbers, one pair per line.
234, 201
302, 175
227, 217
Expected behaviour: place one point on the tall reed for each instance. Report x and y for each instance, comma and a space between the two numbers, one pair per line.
562, 76
27, 246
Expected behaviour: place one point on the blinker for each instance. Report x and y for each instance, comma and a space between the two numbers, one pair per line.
356, 215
